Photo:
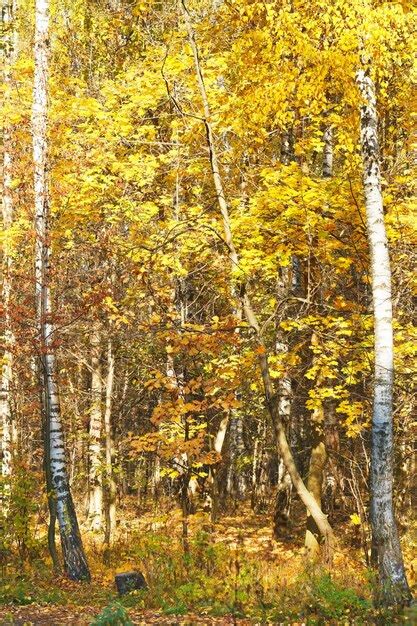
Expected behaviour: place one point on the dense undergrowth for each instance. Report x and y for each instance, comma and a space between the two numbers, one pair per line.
226, 572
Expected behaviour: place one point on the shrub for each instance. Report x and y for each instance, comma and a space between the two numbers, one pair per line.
329, 599
112, 615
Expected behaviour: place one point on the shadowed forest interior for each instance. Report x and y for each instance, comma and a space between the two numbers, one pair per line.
208, 333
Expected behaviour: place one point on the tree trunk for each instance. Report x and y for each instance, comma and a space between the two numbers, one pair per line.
260, 469
315, 477
271, 402
235, 482
284, 288
318, 457
328, 152
95, 483
75, 563
386, 548
110, 497
9, 56
214, 473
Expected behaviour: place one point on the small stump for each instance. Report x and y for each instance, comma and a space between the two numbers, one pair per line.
129, 581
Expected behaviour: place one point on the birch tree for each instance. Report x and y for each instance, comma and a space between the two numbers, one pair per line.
111, 487
386, 549
95, 492
9, 55
61, 503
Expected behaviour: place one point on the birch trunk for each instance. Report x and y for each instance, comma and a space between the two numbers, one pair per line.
285, 284
75, 563
328, 152
272, 405
110, 499
235, 482
95, 483
288, 283
9, 55
386, 548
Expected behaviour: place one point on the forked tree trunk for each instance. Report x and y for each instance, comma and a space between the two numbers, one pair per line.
386, 548
75, 563
272, 405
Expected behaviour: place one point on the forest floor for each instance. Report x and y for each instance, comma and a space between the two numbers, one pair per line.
60, 616
234, 573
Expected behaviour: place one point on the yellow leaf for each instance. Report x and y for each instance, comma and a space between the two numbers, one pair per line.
355, 520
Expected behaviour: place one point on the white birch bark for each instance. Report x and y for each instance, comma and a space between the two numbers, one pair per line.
328, 152
235, 483
95, 484
385, 541
284, 492
8, 56
221, 434
286, 283
75, 563
110, 499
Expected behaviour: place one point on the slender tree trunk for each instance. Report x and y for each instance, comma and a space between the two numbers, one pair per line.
288, 282
284, 491
214, 475
386, 546
235, 481
315, 477
328, 152
156, 478
95, 483
75, 563
318, 458
277, 422
110, 498
260, 469
333, 479
8, 56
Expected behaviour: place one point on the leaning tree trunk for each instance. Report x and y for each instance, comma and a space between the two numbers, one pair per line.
316, 468
272, 405
386, 548
75, 563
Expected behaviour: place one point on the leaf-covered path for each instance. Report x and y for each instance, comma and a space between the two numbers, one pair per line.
61, 616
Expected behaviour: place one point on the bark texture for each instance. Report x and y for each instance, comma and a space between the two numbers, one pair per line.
75, 563
111, 490
95, 491
8, 57
386, 547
